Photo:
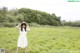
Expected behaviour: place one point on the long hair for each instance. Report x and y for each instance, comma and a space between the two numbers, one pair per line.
22, 26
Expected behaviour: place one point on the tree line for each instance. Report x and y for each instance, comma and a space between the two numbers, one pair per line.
71, 23
29, 16
12, 17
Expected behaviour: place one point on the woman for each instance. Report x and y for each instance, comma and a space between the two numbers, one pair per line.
22, 40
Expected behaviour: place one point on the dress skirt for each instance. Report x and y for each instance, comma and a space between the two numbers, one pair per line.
22, 40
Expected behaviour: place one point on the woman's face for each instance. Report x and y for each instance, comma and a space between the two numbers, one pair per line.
23, 26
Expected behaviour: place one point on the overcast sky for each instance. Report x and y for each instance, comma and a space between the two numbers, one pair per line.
67, 10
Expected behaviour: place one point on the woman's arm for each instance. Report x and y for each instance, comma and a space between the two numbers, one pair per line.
18, 26
28, 28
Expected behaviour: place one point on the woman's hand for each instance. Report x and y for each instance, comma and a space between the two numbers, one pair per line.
18, 26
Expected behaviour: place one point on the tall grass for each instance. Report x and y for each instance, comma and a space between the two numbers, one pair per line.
43, 40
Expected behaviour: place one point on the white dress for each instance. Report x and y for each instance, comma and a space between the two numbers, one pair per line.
22, 40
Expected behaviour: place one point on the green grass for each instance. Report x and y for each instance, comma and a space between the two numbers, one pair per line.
43, 40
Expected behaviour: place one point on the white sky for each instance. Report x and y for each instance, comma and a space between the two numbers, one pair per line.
67, 10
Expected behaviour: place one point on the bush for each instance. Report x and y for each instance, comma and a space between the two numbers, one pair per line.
34, 24
7, 24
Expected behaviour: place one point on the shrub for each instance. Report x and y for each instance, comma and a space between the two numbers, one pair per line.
7, 24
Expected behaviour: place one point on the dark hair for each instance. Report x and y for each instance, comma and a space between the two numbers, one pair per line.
22, 26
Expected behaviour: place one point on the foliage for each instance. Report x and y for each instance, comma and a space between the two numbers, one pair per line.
73, 24
29, 16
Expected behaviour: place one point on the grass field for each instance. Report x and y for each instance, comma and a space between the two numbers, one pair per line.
43, 40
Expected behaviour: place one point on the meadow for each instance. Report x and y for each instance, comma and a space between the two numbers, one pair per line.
43, 40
